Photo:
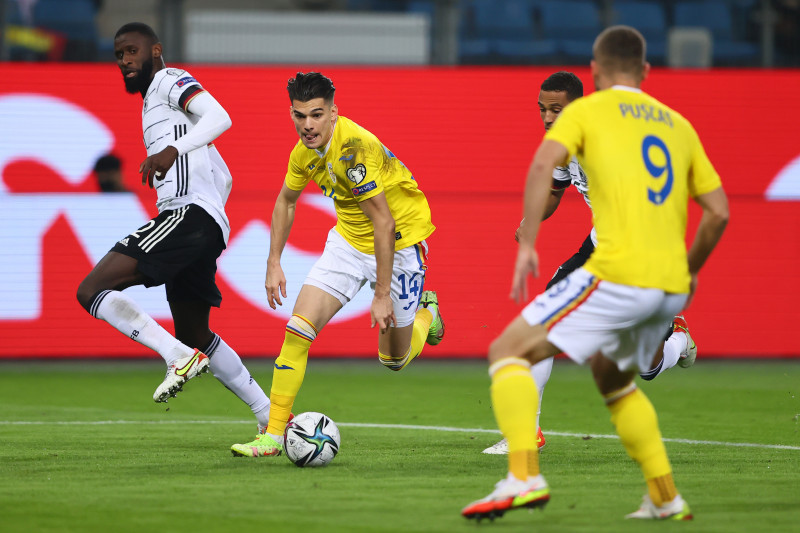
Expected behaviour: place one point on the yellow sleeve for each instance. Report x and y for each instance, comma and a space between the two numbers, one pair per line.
364, 164
567, 129
296, 178
703, 178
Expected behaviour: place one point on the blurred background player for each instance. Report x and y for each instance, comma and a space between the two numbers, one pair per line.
108, 172
382, 221
179, 247
611, 311
557, 91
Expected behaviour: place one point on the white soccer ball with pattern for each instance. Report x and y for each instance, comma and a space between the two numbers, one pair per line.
311, 439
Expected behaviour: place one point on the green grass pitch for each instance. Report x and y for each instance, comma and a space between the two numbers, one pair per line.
84, 448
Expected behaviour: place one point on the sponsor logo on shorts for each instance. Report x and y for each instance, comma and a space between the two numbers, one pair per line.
365, 188
124, 242
283, 367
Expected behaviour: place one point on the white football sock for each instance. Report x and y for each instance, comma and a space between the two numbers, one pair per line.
674, 346
227, 367
125, 315
541, 374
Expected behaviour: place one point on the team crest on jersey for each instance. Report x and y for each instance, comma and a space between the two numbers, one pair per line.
357, 173
331, 173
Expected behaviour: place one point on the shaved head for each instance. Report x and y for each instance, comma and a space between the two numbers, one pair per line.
620, 49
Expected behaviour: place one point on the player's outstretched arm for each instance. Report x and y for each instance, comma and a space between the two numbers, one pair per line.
553, 202
537, 191
377, 210
537, 187
281, 225
709, 231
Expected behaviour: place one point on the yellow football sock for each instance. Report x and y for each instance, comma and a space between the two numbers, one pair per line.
662, 489
515, 400
289, 371
524, 461
422, 324
637, 426
419, 333
280, 408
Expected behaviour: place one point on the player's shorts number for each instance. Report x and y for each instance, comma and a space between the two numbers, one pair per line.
409, 289
651, 141
146, 227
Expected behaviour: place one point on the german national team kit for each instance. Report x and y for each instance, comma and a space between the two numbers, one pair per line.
180, 246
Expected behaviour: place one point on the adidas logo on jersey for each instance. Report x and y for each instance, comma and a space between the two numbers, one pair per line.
124, 242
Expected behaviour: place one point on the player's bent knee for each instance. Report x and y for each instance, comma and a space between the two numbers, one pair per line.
497, 351
79, 295
86, 296
301, 328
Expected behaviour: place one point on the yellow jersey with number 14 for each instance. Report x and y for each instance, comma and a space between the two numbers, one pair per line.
643, 161
354, 167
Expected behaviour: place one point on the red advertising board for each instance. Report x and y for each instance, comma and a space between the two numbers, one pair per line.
467, 134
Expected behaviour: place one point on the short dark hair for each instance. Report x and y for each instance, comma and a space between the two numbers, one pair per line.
140, 28
107, 162
566, 82
305, 87
620, 48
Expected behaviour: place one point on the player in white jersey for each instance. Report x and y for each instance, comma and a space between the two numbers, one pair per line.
556, 92
179, 247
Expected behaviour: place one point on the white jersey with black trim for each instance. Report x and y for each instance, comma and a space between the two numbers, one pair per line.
198, 177
574, 174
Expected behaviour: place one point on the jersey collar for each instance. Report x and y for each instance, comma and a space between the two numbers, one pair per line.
626, 88
322, 153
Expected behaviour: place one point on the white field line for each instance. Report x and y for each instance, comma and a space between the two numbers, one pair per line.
380, 426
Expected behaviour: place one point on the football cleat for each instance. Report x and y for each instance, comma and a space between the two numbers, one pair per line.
498, 448
264, 445
501, 448
179, 373
509, 494
677, 509
689, 355
436, 331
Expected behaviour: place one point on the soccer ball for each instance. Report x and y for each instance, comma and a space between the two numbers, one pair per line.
311, 439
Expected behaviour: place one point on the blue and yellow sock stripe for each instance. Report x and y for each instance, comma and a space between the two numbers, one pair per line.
294, 330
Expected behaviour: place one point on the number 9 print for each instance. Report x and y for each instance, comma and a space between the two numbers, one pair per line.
651, 141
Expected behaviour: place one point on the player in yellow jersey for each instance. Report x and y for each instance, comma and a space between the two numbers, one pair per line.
644, 161
678, 348
382, 222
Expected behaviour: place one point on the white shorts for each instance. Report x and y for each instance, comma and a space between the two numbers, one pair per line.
342, 270
584, 315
